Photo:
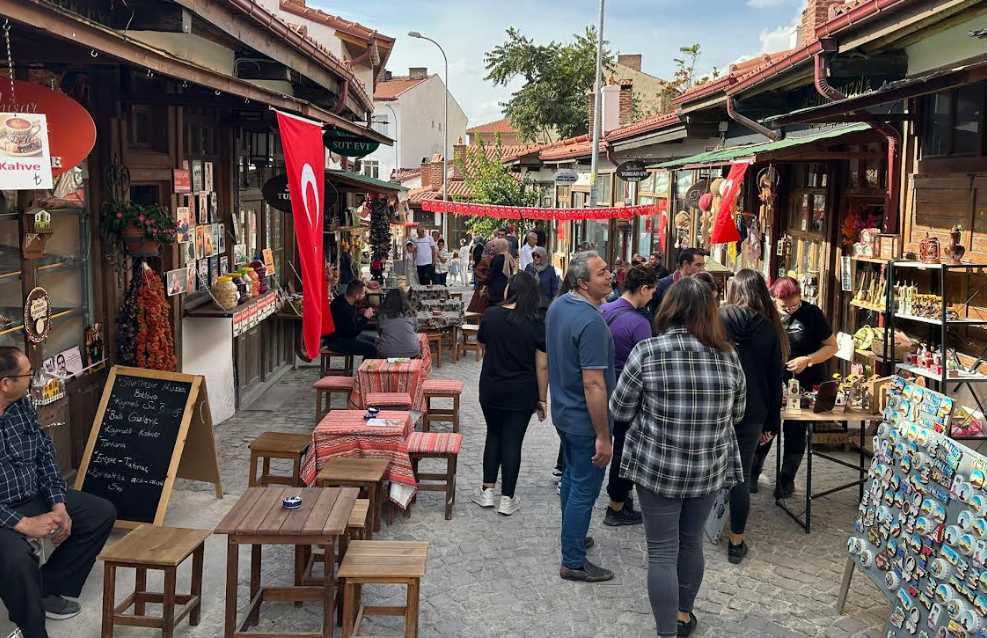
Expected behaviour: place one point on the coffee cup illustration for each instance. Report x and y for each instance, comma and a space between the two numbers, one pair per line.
20, 129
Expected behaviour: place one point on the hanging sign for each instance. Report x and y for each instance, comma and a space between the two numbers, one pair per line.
348, 144
37, 315
25, 163
275, 192
71, 132
566, 176
632, 171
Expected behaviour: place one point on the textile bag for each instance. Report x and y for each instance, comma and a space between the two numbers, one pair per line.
479, 301
716, 520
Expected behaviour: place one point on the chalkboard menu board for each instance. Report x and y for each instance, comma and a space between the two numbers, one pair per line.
139, 435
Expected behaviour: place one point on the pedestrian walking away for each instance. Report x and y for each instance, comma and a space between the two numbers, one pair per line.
628, 327
682, 391
581, 378
754, 328
513, 386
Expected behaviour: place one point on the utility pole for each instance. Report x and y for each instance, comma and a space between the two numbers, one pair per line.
597, 108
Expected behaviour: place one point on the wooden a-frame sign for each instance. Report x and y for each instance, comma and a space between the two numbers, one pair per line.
187, 449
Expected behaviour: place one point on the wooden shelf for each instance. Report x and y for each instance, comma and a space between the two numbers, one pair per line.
938, 322
870, 260
929, 374
866, 306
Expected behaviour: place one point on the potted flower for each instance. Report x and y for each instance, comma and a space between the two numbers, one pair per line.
142, 228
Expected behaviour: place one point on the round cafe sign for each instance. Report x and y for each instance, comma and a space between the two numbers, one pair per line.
37, 315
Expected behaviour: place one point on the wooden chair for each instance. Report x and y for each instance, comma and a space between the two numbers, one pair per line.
435, 338
160, 548
468, 339
326, 388
381, 563
366, 474
435, 445
277, 445
389, 400
326, 369
441, 389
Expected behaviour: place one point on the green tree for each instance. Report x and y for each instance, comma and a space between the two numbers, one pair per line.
552, 102
490, 182
685, 72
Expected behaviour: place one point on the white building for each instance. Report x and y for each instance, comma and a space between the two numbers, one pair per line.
409, 109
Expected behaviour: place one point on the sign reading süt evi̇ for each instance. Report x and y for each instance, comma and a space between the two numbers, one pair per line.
348, 144
25, 162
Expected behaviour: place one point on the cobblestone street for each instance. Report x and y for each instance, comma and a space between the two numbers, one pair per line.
490, 575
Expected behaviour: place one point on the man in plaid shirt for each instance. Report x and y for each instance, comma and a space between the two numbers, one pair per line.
35, 505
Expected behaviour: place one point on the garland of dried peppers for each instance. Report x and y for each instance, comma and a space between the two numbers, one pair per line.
143, 325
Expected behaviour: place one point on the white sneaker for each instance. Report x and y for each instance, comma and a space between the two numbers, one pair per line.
484, 497
509, 505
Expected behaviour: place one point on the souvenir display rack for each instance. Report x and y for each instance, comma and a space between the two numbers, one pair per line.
944, 319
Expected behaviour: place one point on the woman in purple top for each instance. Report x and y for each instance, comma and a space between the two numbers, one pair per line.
628, 325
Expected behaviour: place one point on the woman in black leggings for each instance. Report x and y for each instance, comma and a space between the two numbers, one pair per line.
513, 385
754, 327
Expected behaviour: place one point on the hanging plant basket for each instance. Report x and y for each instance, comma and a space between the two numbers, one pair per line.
133, 238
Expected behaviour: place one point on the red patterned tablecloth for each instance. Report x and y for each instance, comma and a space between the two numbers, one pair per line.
346, 434
379, 375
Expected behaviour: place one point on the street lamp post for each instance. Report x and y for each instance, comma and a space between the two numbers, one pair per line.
391, 109
597, 107
445, 130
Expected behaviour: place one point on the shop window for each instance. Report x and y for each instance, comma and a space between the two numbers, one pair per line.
147, 128
954, 122
371, 168
604, 189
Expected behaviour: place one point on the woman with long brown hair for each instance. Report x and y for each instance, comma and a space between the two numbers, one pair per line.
682, 391
754, 327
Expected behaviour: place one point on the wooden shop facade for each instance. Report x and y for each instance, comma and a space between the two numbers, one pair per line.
180, 95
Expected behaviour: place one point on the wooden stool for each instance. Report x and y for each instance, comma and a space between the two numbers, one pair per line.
326, 387
472, 317
441, 389
163, 548
468, 340
277, 445
356, 529
326, 369
435, 445
389, 400
436, 339
366, 474
381, 563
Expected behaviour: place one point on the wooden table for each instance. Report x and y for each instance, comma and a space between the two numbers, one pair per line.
812, 418
259, 519
381, 375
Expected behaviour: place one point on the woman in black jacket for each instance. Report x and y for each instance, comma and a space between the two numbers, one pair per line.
753, 325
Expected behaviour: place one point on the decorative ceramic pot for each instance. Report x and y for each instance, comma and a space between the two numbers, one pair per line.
928, 250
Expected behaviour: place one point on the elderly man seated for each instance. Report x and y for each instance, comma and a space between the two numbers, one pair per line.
34, 505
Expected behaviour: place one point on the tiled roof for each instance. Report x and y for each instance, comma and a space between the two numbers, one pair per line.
418, 195
570, 148
504, 154
735, 71
456, 189
646, 125
398, 84
405, 173
355, 29
502, 125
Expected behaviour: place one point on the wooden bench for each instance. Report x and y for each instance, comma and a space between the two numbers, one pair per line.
277, 445
381, 563
468, 340
435, 445
389, 400
325, 365
326, 388
441, 389
159, 548
366, 474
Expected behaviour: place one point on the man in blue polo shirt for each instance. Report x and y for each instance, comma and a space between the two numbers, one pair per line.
581, 378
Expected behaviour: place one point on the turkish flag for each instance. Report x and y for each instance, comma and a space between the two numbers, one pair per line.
724, 228
305, 163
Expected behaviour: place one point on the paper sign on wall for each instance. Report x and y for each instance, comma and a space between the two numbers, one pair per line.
25, 161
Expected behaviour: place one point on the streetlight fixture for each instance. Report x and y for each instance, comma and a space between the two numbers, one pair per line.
394, 113
445, 129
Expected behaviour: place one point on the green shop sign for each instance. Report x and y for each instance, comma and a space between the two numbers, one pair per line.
348, 144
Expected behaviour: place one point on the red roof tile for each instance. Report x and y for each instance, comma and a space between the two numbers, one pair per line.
405, 173
502, 125
735, 71
570, 148
398, 84
355, 29
646, 125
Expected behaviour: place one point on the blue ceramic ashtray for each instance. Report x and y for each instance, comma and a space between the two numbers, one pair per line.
371, 413
291, 502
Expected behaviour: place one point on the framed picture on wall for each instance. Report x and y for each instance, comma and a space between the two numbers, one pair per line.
213, 207
221, 239
213, 269
203, 272
202, 208
207, 183
190, 278
200, 242
197, 176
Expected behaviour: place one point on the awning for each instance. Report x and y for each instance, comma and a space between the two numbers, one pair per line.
753, 152
917, 86
362, 182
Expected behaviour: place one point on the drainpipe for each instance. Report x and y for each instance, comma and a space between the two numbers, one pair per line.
748, 123
343, 97
890, 133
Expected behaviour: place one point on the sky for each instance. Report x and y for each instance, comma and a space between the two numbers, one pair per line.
728, 30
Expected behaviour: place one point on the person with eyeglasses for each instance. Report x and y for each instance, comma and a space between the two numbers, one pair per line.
544, 273
811, 345
35, 505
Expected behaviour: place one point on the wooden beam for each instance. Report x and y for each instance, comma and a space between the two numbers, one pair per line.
95, 37
151, 15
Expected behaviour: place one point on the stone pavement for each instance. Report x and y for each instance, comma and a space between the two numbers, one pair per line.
490, 575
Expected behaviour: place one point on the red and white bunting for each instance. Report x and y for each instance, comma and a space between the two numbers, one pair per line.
556, 214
